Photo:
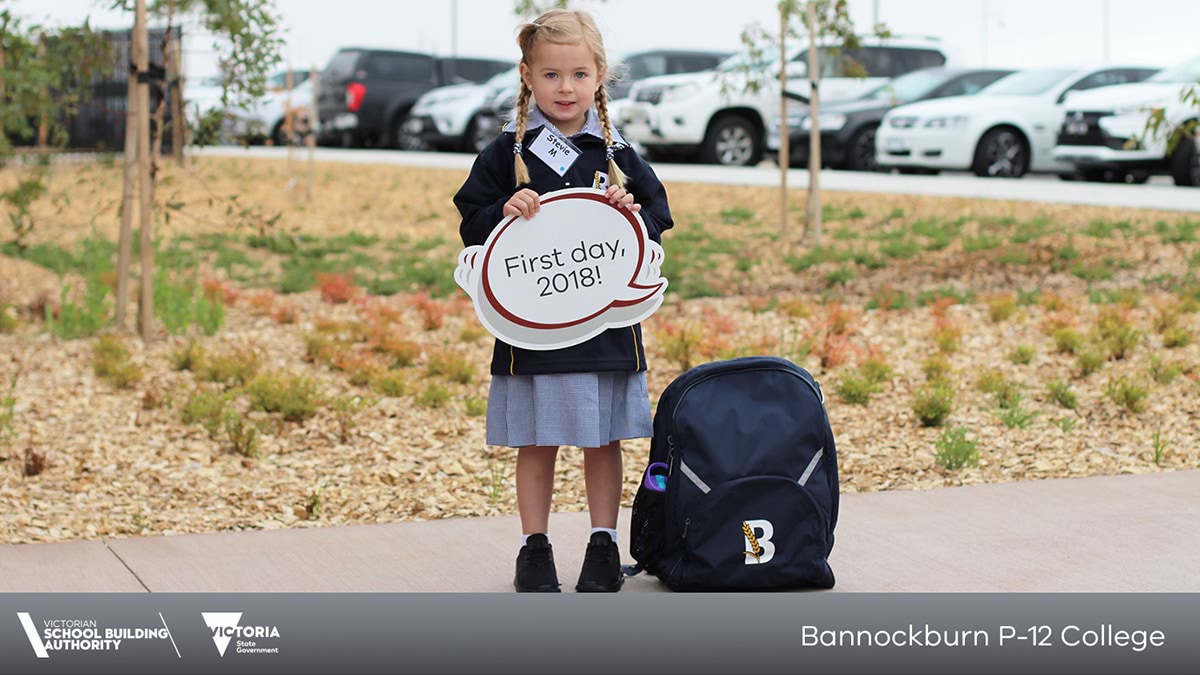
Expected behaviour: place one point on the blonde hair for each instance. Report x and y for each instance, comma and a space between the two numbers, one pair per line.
564, 26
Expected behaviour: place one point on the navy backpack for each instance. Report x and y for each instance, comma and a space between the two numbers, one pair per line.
741, 492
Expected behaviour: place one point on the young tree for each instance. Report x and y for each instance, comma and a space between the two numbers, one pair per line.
827, 30
246, 34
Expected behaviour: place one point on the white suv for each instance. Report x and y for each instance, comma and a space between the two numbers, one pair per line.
1104, 131
709, 113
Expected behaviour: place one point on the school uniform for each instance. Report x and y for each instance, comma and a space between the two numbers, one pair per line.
593, 393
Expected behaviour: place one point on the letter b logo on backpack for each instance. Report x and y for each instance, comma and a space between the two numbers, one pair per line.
757, 535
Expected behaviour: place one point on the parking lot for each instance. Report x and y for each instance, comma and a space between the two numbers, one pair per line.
1158, 193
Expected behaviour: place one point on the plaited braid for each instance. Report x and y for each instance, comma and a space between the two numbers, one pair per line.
522, 171
615, 175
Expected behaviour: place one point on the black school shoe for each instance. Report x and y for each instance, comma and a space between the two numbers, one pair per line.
535, 567
601, 571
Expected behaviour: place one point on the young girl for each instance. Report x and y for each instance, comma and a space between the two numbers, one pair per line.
594, 394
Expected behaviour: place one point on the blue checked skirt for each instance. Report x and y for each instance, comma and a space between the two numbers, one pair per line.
586, 410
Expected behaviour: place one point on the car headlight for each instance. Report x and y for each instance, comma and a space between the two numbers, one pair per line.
947, 122
679, 92
828, 122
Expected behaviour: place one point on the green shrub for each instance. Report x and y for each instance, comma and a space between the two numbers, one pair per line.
1015, 414
475, 406
1002, 308
206, 408
1067, 341
855, 388
876, 370
187, 358
294, 396
110, 362
1089, 362
79, 321
1061, 392
433, 396
231, 368
955, 450
451, 365
8, 319
1127, 394
1163, 373
1176, 337
1022, 355
1116, 335
1006, 392
933, 403
8, 412
936, 368
390, 383
242, 434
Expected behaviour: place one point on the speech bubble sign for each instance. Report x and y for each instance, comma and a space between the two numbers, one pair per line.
577, 268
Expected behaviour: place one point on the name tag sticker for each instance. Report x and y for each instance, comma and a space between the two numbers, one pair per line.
555, 151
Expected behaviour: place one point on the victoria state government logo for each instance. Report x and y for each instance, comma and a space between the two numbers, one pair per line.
226, 626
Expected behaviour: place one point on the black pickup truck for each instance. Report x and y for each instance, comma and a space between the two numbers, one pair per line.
365, 94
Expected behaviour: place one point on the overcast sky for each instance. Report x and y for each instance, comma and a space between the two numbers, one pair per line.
1017, 33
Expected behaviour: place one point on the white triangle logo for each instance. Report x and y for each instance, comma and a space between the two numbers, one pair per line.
216, 620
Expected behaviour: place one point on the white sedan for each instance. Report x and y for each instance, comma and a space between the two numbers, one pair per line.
1005, 130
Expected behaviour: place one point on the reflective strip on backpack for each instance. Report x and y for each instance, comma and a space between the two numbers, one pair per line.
812, 466
687, 471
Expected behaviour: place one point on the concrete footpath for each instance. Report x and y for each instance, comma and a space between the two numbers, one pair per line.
1101, 534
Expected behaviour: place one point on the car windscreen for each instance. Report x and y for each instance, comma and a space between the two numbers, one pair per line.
1186, 72
910, 87
341, 65
1027, 82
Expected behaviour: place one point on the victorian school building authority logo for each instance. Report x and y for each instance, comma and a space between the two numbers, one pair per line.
87, 635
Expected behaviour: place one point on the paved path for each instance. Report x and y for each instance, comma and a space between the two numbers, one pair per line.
1102, 534
1048, 189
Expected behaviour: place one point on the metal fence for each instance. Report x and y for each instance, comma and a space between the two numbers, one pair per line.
100, 122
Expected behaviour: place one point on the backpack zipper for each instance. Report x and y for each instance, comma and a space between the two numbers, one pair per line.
709, 376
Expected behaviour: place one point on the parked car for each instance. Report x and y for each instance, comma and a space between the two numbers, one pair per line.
1006, 130
496, 111
711, 115
1104, 131
260, 120
643, 65
448, 118
848, 128
366, 94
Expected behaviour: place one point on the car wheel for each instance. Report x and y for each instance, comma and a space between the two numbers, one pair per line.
1185, 163
279, 136
401, 139
1002, 153
732, 140
477, 137
860, 154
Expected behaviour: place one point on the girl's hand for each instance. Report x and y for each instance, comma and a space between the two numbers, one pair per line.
524, 203
619, 197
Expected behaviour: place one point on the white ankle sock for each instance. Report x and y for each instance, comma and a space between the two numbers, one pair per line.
525, 537
611, 533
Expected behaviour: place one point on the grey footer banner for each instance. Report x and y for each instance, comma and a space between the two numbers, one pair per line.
663, 633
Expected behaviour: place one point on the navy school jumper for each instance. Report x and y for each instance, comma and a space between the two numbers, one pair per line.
492, 182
